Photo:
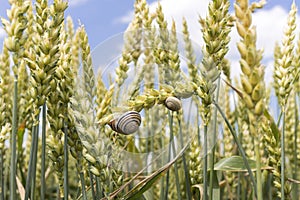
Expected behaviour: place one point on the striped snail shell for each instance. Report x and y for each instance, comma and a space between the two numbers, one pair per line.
173, 103
127, 123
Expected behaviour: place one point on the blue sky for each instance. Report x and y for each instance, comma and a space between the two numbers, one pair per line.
106, 18
101, 17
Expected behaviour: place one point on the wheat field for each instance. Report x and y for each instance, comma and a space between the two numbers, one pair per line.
162, 121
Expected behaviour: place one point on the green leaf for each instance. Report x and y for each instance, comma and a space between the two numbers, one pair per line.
274, 127
234, 163
145, 184
216, 187
149, 194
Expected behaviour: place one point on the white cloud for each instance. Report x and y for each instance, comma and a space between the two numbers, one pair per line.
126, 18
190, 9
269, 25
76, 2
2, 33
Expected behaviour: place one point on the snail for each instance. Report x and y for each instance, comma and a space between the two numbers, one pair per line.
173, 103
127, 123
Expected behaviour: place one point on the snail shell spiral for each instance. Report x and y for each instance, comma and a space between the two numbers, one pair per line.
127, 123
173, 103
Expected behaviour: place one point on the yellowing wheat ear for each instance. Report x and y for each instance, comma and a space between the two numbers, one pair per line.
285, 72
252, 78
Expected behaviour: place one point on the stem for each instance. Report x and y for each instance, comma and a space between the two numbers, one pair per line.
92, 183
82, 186
13, 164
269, 184
110, 183
28, 179
162, 188
162, 191
66, 159
212, 157
169, 155
189, 112
98, 188
198, 128
43, 166
239, 147
240, 178
258, 171
244, 190
282, 154
205, 178
173, 150
239, 186
34, 162
186, 172
295, 186
279, 118
176, 176
1, 174
148, 135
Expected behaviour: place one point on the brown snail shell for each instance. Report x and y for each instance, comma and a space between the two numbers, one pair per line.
173, 103
127, 123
